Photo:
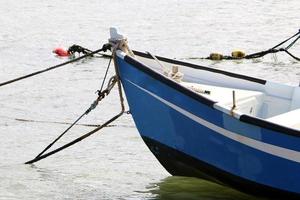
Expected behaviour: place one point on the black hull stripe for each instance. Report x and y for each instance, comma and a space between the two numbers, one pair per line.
269, 125
181, 164
176, 62
167, 81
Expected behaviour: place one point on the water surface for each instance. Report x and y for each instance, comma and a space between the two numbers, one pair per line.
115, 164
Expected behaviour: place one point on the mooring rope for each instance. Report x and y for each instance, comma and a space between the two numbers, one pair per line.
74, 141
101, 94
105, 75
275, 50
237, 55
104, 48
43, 156
284, 41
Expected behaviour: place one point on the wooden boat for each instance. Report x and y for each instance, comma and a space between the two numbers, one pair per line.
228, 128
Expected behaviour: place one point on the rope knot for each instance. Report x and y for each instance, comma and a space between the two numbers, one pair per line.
111, 83
106, 47
77, 49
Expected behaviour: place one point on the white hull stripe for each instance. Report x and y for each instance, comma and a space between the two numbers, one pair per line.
265, 147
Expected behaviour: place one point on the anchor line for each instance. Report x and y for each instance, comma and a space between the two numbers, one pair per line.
106, 72
74, 141
237, 55
275, 50
104, 48
101, 95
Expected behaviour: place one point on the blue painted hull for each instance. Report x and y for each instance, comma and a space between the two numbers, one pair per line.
191, 138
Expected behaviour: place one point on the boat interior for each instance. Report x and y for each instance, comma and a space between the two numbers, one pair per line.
235, 95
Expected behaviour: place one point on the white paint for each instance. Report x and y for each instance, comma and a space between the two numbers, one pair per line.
114, 35
295, 99
258, 145
121, 54
247, 101
288, 119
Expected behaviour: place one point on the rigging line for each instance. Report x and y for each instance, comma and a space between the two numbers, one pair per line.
104, 48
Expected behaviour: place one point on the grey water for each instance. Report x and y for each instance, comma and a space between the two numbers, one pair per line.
115, 163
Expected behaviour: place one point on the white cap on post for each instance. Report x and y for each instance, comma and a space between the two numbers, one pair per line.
120, 40
114, 35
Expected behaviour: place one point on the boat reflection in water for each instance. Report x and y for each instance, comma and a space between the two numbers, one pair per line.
177, 188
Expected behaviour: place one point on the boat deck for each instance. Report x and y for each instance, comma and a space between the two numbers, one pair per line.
246, 101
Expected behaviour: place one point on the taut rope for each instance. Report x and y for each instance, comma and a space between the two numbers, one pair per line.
101, 95
104, 48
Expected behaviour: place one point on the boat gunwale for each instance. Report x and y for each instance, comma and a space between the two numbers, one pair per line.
168, 81
200, 67
256, 121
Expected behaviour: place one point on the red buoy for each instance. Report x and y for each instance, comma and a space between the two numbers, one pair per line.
59, 51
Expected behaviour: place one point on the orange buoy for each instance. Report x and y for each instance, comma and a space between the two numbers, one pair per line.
59, 51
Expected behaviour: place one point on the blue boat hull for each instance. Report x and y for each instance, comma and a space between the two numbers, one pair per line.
180, 164
191, 138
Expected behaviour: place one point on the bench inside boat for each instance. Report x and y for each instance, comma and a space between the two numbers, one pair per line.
250, 102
